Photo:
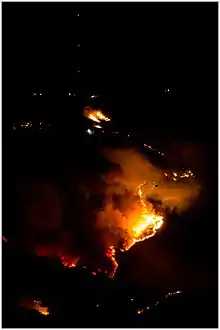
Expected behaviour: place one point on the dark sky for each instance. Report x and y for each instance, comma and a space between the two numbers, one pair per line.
131, 51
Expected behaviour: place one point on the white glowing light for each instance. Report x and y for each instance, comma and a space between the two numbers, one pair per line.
69, 94
89, 131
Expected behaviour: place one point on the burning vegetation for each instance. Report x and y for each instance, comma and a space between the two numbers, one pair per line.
95, 115
35, 305
132, 208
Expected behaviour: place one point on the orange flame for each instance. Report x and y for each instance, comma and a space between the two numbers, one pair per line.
111, 255
146, 226
36, 305
95, 115
69, 262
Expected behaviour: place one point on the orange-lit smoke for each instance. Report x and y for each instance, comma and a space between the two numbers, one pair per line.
35, 305
133, 209
133, 216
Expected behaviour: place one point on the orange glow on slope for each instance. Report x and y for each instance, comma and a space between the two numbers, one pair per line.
95, 115
146, 226
111, 255
36, 305
143, 228
69, 262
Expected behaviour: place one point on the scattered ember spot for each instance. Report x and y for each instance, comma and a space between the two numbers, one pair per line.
111, 255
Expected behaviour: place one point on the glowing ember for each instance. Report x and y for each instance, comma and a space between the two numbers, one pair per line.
149, 308
97, 126
69, 262
146, 226
140, 311
161, 153
43, 310
95, 115
35, 305
181, 175
111, 255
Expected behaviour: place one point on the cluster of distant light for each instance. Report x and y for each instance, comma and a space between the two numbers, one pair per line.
27, 124
93, 96
37, 304
148, 308
161, 153
35, 94
180, 175
167, 90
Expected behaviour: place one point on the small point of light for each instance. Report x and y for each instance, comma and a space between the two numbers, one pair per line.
89, 131
97, 305
78, 45
78, 15
69, 94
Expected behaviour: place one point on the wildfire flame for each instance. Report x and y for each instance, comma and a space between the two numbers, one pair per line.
95, 115
181, 175
36, 305
69, 262
147, 225
143, 228
111, 255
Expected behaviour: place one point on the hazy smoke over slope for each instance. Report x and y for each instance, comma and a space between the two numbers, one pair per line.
113, 210
122, 208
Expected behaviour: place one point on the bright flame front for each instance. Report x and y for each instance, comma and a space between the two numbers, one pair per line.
95, 115
146, 226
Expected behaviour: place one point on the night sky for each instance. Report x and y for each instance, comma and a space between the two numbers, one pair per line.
128, 52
